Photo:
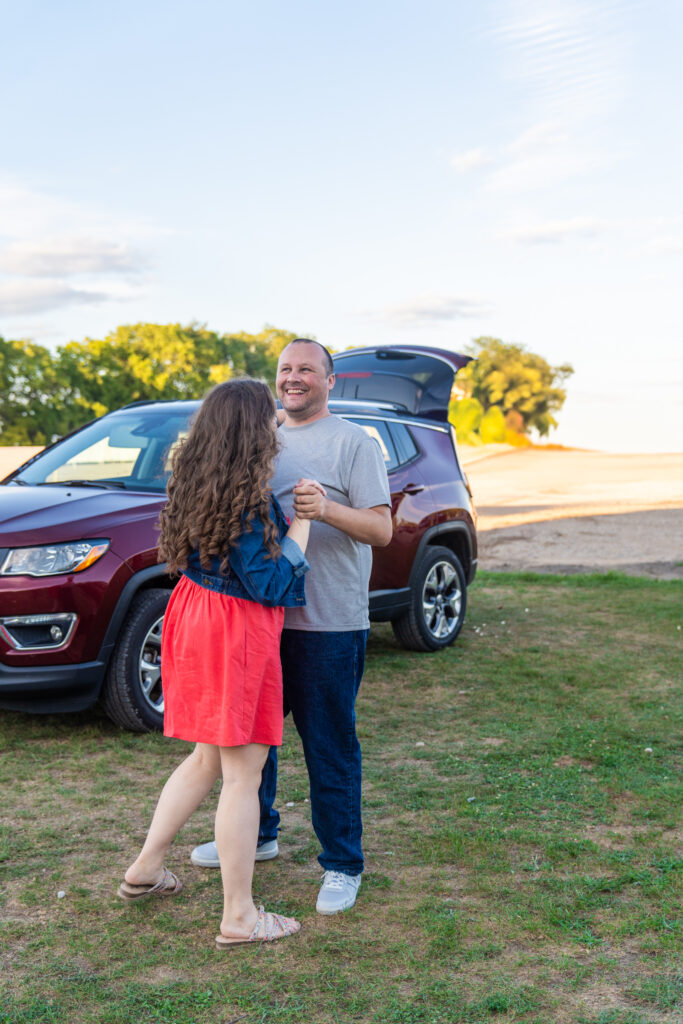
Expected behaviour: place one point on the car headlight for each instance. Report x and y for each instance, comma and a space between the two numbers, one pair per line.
53, 559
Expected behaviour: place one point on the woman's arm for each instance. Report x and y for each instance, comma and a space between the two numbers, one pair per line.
299, 532
268, 579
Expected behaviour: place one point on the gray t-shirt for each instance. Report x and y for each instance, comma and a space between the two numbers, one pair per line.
349, 464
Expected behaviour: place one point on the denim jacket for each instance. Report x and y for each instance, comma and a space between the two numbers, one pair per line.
252, 574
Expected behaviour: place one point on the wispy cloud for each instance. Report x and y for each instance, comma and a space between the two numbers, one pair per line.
57, 256
639, 236
543, 155
27, 214
39, 296
433, 309
657, 236
666, 245
469, 160
567, 61
555, 231
569, 52
64, 253
536, 139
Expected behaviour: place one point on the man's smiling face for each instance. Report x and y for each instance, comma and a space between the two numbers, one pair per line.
303, 383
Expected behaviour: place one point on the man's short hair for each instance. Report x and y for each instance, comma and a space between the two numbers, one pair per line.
329, 365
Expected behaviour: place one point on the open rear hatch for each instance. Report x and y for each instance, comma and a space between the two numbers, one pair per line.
417, 380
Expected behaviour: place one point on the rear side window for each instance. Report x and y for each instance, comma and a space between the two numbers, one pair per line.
380, 432
406, 449
394, 439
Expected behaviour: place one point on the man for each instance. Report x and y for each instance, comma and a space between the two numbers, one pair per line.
323, 643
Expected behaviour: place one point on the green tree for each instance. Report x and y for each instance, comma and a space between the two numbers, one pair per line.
515, 380
43, 395
465, 414
492, 426
256, 355
138, 362
32, 394
144, 362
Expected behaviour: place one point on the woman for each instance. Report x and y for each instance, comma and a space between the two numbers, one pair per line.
240, 564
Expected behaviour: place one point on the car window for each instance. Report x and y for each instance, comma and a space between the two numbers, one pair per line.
129, 449
168, 455
406, 449
99, 461
418, 380
380, 432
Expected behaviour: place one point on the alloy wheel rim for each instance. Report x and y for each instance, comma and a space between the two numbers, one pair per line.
441, 600
150, 668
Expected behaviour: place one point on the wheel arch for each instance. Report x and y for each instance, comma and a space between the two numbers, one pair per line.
454, 535
154, 577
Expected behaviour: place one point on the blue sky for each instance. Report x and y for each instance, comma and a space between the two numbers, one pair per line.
369, 173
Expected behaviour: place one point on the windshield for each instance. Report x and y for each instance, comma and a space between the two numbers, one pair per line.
129, 449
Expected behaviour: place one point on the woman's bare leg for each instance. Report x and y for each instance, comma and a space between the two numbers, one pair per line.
237, 821
189, 784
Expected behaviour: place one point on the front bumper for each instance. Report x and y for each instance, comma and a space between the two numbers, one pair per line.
48, 689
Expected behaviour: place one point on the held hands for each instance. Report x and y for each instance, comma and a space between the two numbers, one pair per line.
365, 525
309, 499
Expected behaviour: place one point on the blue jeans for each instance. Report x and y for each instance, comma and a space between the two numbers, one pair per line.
321, 677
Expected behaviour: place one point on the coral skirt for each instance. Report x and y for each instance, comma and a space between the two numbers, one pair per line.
221, 668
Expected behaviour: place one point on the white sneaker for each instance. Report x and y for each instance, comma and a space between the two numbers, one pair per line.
267, 850
338, 892
206, 855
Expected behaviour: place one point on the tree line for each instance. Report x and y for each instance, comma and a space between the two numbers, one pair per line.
44, 394
502, 393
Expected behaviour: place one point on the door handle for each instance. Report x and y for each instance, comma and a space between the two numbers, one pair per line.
413, 488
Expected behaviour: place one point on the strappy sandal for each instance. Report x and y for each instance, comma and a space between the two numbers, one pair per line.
169, 885
269, 927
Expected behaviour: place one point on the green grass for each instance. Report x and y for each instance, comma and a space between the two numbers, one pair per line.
521, 831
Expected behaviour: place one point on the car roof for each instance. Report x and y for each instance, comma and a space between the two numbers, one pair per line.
360, 405
340, 407
181, 404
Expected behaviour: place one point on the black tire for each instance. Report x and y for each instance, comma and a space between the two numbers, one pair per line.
438, 600
131, 695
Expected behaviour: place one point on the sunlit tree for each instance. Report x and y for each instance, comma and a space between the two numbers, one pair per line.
32, 395
515, 381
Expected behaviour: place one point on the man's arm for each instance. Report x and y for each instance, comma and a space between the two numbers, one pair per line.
367, 525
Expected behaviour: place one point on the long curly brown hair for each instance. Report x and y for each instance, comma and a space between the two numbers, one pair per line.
220, 474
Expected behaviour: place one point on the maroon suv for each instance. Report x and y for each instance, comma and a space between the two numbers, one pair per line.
82, 596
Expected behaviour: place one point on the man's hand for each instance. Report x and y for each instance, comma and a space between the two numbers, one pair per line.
309, 499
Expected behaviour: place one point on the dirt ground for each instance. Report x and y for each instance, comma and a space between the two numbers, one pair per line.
564, 511
578, 511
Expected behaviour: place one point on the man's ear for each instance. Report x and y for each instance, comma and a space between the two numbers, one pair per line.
331, 380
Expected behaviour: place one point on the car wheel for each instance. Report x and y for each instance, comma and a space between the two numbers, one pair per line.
437, 603
132, 696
